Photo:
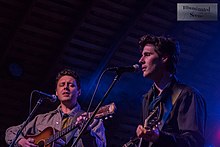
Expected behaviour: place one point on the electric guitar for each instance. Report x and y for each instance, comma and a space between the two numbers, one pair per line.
150, 122
47, 137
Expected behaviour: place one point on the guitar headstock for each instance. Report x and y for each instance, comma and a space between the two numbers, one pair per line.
106, 110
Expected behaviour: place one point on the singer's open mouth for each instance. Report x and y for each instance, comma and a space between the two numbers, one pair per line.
65, 93
144, 68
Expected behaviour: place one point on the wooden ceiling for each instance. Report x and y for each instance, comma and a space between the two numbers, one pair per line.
40, 37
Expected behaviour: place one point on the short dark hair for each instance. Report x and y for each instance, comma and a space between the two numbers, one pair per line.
163, 46
69, 72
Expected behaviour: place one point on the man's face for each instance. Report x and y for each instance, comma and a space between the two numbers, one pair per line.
67, 89
150, 61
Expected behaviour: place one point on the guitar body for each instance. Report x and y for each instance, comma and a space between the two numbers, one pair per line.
40, 139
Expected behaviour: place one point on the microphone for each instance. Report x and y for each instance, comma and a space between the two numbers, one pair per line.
133, 68
52, 97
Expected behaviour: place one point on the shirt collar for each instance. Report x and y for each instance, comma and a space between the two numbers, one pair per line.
73, 112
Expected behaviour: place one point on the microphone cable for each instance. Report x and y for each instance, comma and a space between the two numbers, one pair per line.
30, 102
96, 88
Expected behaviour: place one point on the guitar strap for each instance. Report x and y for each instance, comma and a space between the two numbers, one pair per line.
176, 90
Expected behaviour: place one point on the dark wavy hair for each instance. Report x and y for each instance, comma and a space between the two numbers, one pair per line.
69, 72
163, 46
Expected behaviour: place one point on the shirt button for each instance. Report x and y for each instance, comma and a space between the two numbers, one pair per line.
57, 122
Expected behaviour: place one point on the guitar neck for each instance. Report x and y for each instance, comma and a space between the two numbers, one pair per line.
103, 112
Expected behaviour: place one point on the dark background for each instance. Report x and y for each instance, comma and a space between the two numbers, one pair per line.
40, 37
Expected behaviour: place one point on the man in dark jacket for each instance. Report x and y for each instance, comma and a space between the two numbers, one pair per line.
179, 108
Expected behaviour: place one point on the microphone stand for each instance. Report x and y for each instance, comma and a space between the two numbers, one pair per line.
97, 108
26, 121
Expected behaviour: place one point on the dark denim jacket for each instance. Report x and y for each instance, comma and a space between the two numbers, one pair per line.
185, 124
